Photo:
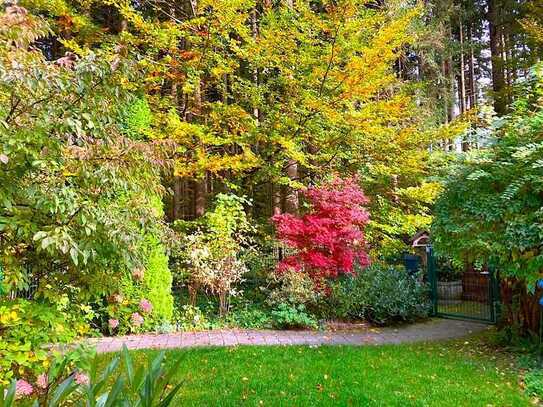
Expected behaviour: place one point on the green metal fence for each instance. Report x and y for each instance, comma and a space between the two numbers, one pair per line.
474, 296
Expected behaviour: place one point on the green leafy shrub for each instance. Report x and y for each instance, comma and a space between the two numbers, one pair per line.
292, 316
25, 326
157, 281
78, 197
533, 383
490, 210
148, 385
213, 252
381, 294
74, 190
250, 317
191, 318
294, 288
144, 300
136, 119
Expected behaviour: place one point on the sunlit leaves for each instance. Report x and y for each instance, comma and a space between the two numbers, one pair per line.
491, 206
73, 190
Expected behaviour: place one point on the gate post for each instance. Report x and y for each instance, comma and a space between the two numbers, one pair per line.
432, 277
494, 293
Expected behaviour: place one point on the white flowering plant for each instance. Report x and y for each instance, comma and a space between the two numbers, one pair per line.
216, 267
214, 251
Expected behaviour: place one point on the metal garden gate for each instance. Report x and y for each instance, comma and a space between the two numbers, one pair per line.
474, 297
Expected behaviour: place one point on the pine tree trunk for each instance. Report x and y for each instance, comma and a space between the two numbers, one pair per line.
200, 183
254, 27
462, 84
472, 79
496, 51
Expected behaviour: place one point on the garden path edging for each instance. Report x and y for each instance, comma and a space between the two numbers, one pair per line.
433, 330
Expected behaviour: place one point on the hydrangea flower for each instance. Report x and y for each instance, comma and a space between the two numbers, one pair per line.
113, 323
41, 381
136, 319
146, 306
23, 388
81, 379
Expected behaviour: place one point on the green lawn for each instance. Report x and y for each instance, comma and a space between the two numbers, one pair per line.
446, 374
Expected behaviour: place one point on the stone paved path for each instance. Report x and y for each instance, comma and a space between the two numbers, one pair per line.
437, 329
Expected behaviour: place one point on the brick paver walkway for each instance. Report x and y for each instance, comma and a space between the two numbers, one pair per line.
437, 329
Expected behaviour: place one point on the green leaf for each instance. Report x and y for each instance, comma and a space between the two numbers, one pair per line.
7, 398
169, 398
114, 392
128, 365
74, 255
63, 390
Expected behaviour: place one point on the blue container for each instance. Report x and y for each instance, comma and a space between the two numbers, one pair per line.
411, 263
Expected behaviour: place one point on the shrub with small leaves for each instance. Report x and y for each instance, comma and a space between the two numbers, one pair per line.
382, 294
294, 288
214, 251
292, 316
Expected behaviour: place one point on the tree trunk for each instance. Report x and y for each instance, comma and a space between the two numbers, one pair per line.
451, 100
177, 181
462, 84
200, 196
291, 199
520, 308
223, 303
496, 51
177, 198
472, 79
193, 293
276, 200
254, 27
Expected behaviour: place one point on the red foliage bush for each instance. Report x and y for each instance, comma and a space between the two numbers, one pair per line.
329, 239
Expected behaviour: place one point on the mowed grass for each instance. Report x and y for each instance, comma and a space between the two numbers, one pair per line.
437, 374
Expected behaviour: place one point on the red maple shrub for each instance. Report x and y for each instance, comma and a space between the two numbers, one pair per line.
328, 239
